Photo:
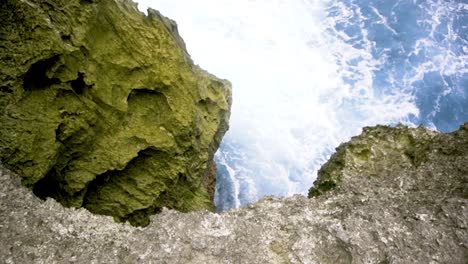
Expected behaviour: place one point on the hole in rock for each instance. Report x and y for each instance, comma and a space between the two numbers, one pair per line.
79, 84
66, 37
36, 77
5, 89
47, 186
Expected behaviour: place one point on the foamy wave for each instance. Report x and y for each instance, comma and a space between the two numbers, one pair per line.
308, 75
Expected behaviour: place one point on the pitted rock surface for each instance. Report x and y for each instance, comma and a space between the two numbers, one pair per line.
399, 196
101, 107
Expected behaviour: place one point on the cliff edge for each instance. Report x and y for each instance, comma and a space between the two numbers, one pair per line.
101, 107
394, 195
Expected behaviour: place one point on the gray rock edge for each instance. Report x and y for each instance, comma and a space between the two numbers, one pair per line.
372, 225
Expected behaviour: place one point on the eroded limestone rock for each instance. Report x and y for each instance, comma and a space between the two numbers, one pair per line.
401, 198
101, 107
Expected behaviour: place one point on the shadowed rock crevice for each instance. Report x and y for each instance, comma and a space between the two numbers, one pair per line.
79, 85
113, 192
49, 186
36, 77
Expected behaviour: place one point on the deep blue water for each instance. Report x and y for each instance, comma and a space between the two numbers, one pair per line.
417, 37
441, 27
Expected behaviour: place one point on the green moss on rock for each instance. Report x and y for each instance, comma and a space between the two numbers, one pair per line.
101, 107
377, 147
381, 154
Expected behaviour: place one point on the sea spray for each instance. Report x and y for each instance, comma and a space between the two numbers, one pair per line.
308, 75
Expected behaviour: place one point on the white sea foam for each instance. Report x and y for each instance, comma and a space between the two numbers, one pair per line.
301, 84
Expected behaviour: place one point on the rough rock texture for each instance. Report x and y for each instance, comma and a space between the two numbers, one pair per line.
399, 196
375, 157
101, 107
210, 180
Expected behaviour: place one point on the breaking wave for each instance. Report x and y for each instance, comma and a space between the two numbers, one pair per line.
308, 75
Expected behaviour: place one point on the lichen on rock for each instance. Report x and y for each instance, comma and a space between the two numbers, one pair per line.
102, 107
384, 147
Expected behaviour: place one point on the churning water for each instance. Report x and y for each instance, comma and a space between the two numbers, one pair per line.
309, 74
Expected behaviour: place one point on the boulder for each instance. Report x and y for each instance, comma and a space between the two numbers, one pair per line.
101, 107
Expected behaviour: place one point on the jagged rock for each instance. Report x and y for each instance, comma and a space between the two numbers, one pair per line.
394, 150
399, 196
101, 107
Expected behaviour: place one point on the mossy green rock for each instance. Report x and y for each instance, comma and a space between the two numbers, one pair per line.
379, 154
101, 107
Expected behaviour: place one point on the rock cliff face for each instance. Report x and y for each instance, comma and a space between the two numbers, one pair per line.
390, 195
101, 107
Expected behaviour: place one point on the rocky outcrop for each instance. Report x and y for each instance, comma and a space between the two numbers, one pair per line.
391, 157
101, 107
390, 195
